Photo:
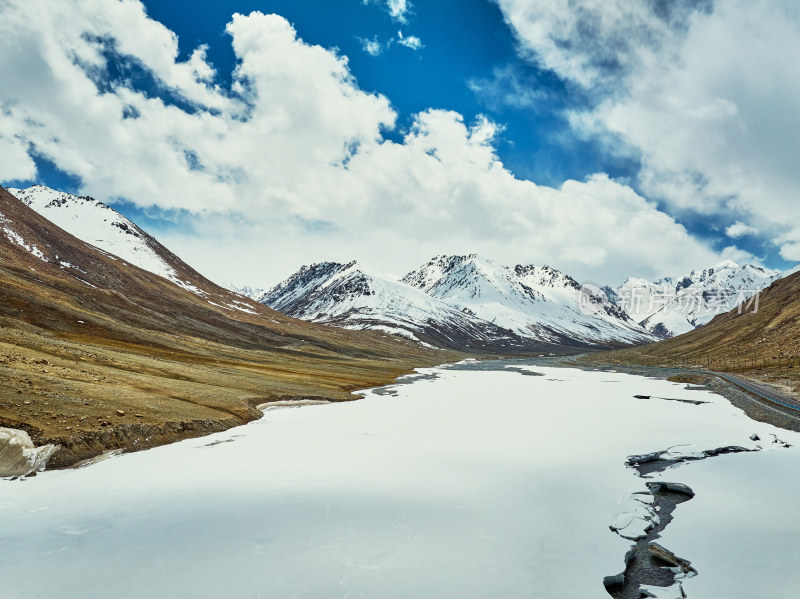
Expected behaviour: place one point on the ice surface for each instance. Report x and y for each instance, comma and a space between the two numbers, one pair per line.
740, 529
672, 592
469, 484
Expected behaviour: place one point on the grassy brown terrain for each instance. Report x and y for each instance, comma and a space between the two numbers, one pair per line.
88, 394
96, 354
762, 344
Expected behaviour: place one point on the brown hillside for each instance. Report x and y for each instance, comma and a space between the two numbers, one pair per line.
84, 335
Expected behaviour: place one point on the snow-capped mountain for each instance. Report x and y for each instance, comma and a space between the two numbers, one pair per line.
676, 305
246, 290
535, 302
355, 297
97, 287
105, 228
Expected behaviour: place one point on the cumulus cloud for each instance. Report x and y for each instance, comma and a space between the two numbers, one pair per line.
791, 251
740, 229
291, 164
14, 157
703, 93
293, 110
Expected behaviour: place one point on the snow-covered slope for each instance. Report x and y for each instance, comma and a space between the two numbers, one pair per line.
355, 297
676, 305
103, 227
536, 302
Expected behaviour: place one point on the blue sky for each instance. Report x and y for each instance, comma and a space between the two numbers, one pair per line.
464, 42
549, 103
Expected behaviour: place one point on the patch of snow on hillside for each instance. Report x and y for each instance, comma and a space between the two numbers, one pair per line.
99, 225
16, 238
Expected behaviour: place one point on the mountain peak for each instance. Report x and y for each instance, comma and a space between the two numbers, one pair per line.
356, 297
678, 305
103, 227
546, 276
537, 302
726, 264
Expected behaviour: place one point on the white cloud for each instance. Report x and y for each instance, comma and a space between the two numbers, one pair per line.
740, 229
585, 41
507, 88
290, 165
791, 252
705, 95
375, 47
739, 256
297, 112
14, 158
409, 41
398, 9
371, 46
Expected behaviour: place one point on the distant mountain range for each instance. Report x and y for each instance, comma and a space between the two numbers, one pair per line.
458, 302
527, 304
675, 305
535, 302
353, 296
759, 341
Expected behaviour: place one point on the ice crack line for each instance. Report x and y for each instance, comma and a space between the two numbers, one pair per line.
651, 570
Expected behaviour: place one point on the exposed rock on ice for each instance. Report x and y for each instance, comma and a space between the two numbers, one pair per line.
679, 488
18, 456
648, 514
658, 461
696, 402
681, 565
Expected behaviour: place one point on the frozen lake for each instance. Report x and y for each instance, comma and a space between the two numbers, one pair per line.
464, 483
